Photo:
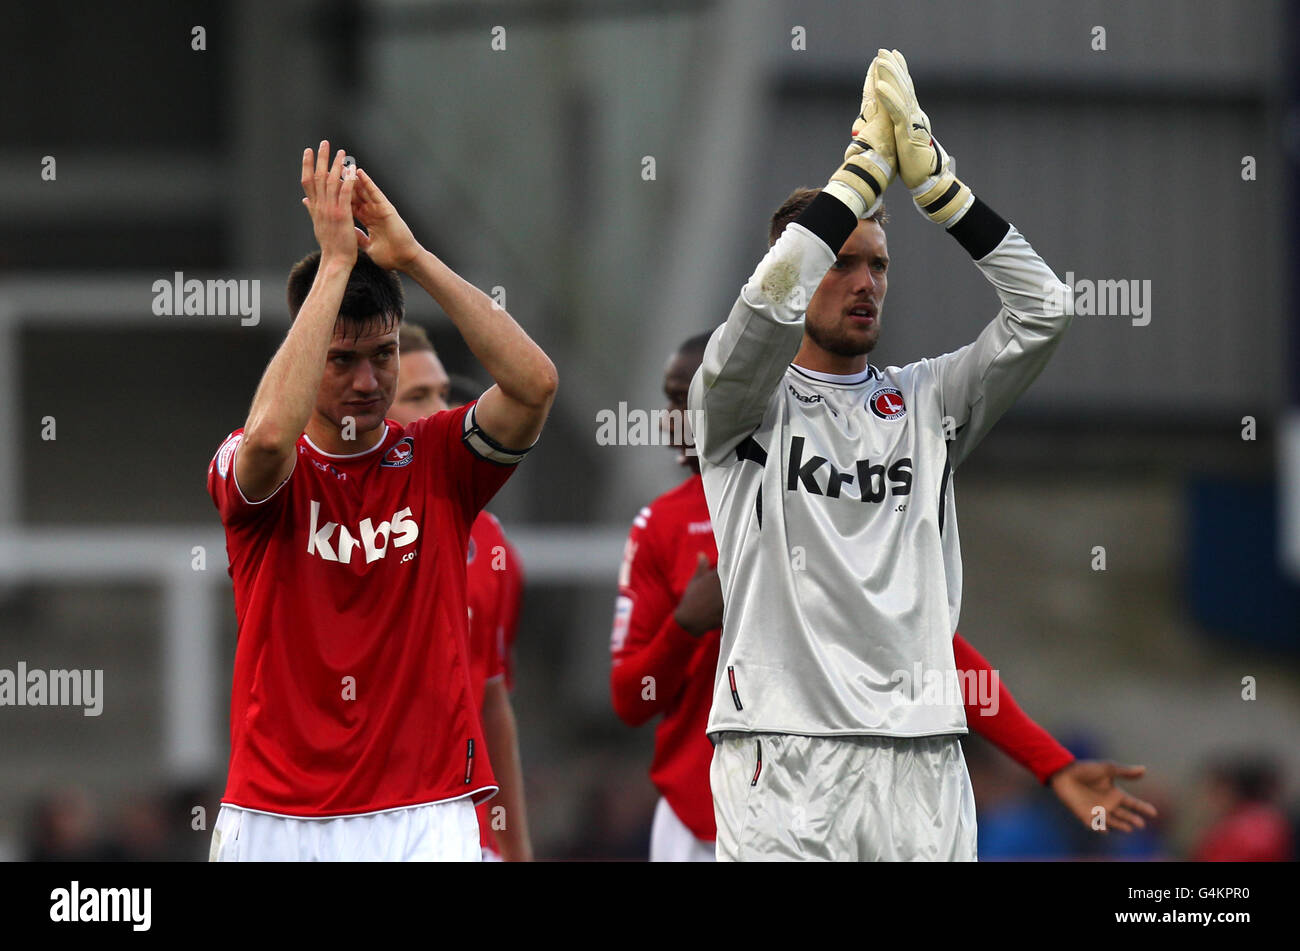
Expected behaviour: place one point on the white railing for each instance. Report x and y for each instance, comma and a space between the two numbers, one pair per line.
192, 728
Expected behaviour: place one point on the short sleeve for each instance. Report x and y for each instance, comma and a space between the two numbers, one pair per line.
471, 468
224, 490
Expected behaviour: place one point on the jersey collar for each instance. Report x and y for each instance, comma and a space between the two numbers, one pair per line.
841, 379
383, 437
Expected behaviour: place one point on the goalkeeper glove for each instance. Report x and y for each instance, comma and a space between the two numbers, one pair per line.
923, 165
870, 161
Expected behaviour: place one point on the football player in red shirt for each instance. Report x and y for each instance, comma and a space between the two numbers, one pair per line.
665, 641
494, 576
354, 733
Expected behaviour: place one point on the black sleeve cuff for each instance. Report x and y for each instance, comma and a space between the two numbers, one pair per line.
829, 219
980, 230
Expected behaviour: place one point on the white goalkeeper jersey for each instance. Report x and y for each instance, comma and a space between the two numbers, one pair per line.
832, 497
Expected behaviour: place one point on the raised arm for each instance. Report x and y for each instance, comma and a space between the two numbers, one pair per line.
747, 355
981, 380
511, 412
286, 395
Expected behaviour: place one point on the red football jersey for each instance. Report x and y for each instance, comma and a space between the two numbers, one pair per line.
1252, 832
495, 577
658, 562
352, 690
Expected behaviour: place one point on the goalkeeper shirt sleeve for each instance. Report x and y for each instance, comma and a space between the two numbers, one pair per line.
979, 382
747, 356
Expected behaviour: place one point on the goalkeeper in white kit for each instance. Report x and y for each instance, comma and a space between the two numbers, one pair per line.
829, 483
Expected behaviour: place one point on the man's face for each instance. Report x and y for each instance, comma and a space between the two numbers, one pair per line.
843, 316
360, 376
677, 384
422, 387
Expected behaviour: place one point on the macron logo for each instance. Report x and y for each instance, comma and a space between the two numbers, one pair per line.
401, 530
103, 904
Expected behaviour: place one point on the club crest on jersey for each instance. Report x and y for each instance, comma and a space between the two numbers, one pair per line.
887, 403
401, 453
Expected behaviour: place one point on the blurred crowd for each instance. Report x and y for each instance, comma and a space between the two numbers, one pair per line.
68, 824
1234, 812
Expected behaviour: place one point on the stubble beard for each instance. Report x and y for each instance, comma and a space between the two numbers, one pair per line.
839, 343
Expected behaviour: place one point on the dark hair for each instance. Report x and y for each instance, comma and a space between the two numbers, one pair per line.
372, 301
696, 344
1253, 778
797, 202
412, 338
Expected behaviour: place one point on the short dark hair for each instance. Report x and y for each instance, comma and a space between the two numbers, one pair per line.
797, 202
412, 338
372, 301
695, 344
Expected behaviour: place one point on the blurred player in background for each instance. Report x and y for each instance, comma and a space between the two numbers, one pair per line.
354, 732
666, 635
829, 483
494, 576
1248, 823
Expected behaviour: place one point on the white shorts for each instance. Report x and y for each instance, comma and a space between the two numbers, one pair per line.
672, 841
438, 832
779, 797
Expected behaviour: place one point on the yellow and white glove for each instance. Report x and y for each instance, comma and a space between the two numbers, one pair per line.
923, 165
870, 161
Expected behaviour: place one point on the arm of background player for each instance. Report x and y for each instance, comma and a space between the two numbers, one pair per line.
1009, 728
512, 411
511, 604
747, 356
1081, 785
502, 739
650, 649
285, 397
979, 382
646, 681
